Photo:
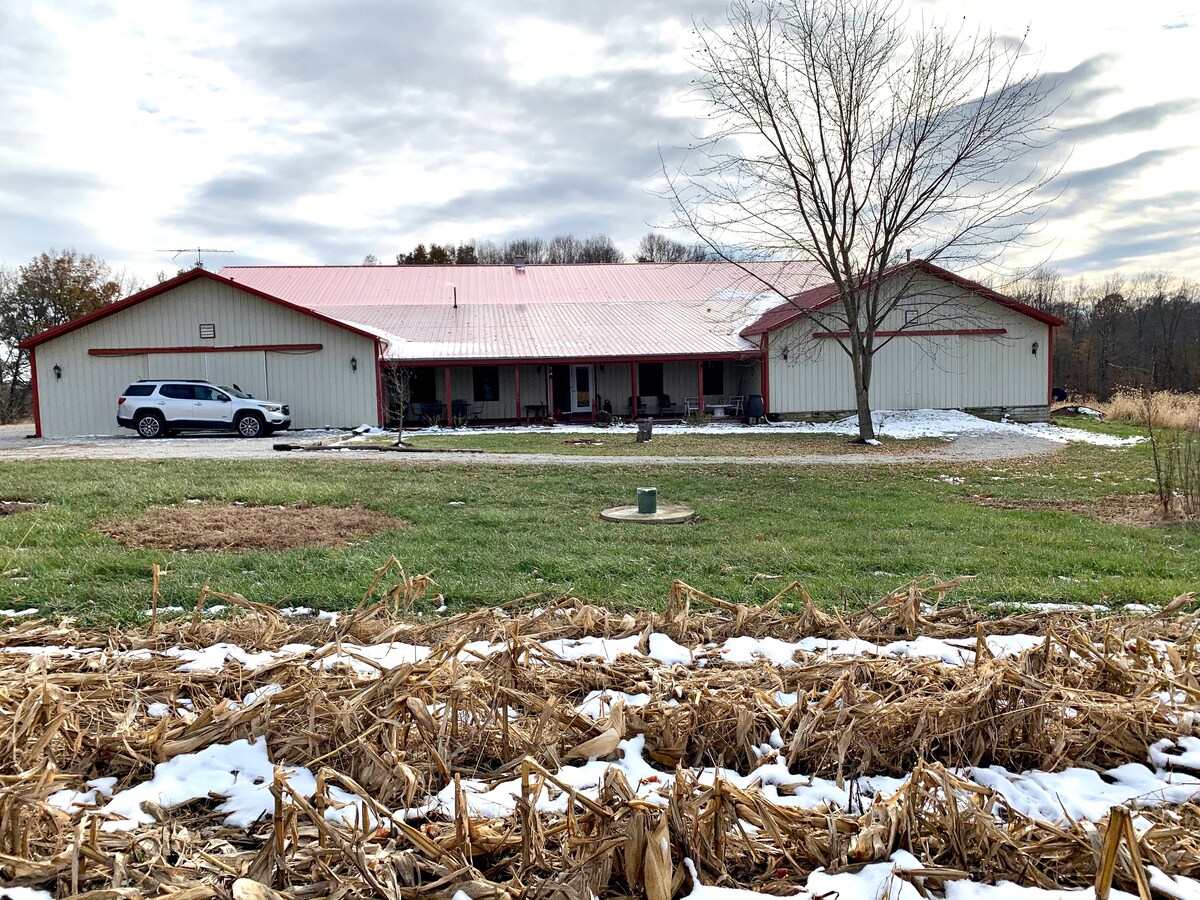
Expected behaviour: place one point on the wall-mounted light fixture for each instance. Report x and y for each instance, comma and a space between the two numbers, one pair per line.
57, 371
354, 363
1035, 348
784, 354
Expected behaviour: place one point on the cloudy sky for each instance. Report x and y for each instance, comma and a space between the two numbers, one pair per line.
313, 131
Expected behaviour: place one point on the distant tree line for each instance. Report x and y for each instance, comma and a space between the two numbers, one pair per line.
1141, 331
562, 249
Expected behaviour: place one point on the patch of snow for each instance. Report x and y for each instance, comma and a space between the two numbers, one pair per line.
214, 658
17, 613
69, 801
241, 772
158, 710
897, 424
24, 893
369, 659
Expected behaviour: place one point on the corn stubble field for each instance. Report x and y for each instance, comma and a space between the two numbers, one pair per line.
910, 750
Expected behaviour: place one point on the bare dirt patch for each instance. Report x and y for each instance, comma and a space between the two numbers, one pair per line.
1136, 510
230, 526
12, 507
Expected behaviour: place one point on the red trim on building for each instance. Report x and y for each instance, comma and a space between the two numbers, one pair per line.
573, 360
700, 385
141, 296
239, 348
381, 409
37, 410
820, 297
937, 332
765, 372
1050, 367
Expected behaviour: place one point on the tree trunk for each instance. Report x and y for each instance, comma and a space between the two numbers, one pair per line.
861, 363
9, 405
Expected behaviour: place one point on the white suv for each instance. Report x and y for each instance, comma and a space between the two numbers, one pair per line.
157, 407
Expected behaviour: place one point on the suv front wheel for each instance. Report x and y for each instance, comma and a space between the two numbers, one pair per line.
250, 425
150, 425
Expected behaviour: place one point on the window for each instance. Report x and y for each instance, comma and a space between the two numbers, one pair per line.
178, 391
650, 379
487, 383
207, 393
139, 390
422, 385
714, 377
910, 316
208, 331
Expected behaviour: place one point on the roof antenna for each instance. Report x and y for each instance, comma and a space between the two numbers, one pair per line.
454, 290
908, 255
197, 250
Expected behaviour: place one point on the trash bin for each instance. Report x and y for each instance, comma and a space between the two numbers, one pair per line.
754, 408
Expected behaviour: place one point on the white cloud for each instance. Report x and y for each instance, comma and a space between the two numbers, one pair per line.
302, 132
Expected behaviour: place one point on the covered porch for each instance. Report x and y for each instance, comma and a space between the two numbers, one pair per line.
464, 393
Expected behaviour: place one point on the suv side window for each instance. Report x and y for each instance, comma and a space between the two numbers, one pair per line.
203, 392
178, 391
139, 390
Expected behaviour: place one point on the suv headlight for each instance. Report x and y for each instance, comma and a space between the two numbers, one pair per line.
273, 408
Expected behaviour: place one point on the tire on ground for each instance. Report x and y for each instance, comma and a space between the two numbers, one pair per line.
150, 425
250, 425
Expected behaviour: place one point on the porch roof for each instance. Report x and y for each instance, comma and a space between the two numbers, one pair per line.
470, 313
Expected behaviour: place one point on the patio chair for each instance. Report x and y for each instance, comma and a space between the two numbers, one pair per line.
465, 411
691, 406
641, 407
665, 406
736, 403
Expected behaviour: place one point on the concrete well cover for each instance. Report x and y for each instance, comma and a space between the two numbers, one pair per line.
668, 514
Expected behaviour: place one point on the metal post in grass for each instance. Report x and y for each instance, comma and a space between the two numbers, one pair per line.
647, 501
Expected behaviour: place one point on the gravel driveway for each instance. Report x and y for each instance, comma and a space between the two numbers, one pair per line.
14, 445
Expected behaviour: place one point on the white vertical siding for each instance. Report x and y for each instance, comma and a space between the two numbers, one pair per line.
321, 387
915, 372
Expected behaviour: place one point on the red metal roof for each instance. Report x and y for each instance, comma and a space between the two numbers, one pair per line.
818, 297
541, 312
162, 288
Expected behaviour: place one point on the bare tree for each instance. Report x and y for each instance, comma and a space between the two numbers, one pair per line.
658, 248
398, 383
843, 137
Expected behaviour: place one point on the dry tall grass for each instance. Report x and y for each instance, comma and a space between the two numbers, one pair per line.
1168, 409
1088, 695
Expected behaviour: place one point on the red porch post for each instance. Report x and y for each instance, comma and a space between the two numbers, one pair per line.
449, 408
517, 382
633, 391
379, 376
766, 374
37, 406
1049, 366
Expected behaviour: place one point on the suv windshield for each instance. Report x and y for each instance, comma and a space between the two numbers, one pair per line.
232, 390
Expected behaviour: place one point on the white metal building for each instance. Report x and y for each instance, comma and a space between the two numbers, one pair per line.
200, 325
517, 343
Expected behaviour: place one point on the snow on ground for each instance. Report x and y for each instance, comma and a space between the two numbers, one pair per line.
370, 659
900, 424
1055, 797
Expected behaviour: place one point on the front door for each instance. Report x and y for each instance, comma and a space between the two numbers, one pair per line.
582, 388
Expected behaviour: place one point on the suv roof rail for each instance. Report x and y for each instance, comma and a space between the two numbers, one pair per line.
178, 380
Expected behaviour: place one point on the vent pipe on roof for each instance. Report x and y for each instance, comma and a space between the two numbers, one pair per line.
454, 293
519, 262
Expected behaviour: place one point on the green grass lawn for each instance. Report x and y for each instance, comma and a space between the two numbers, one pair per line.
493, 533
624, 443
